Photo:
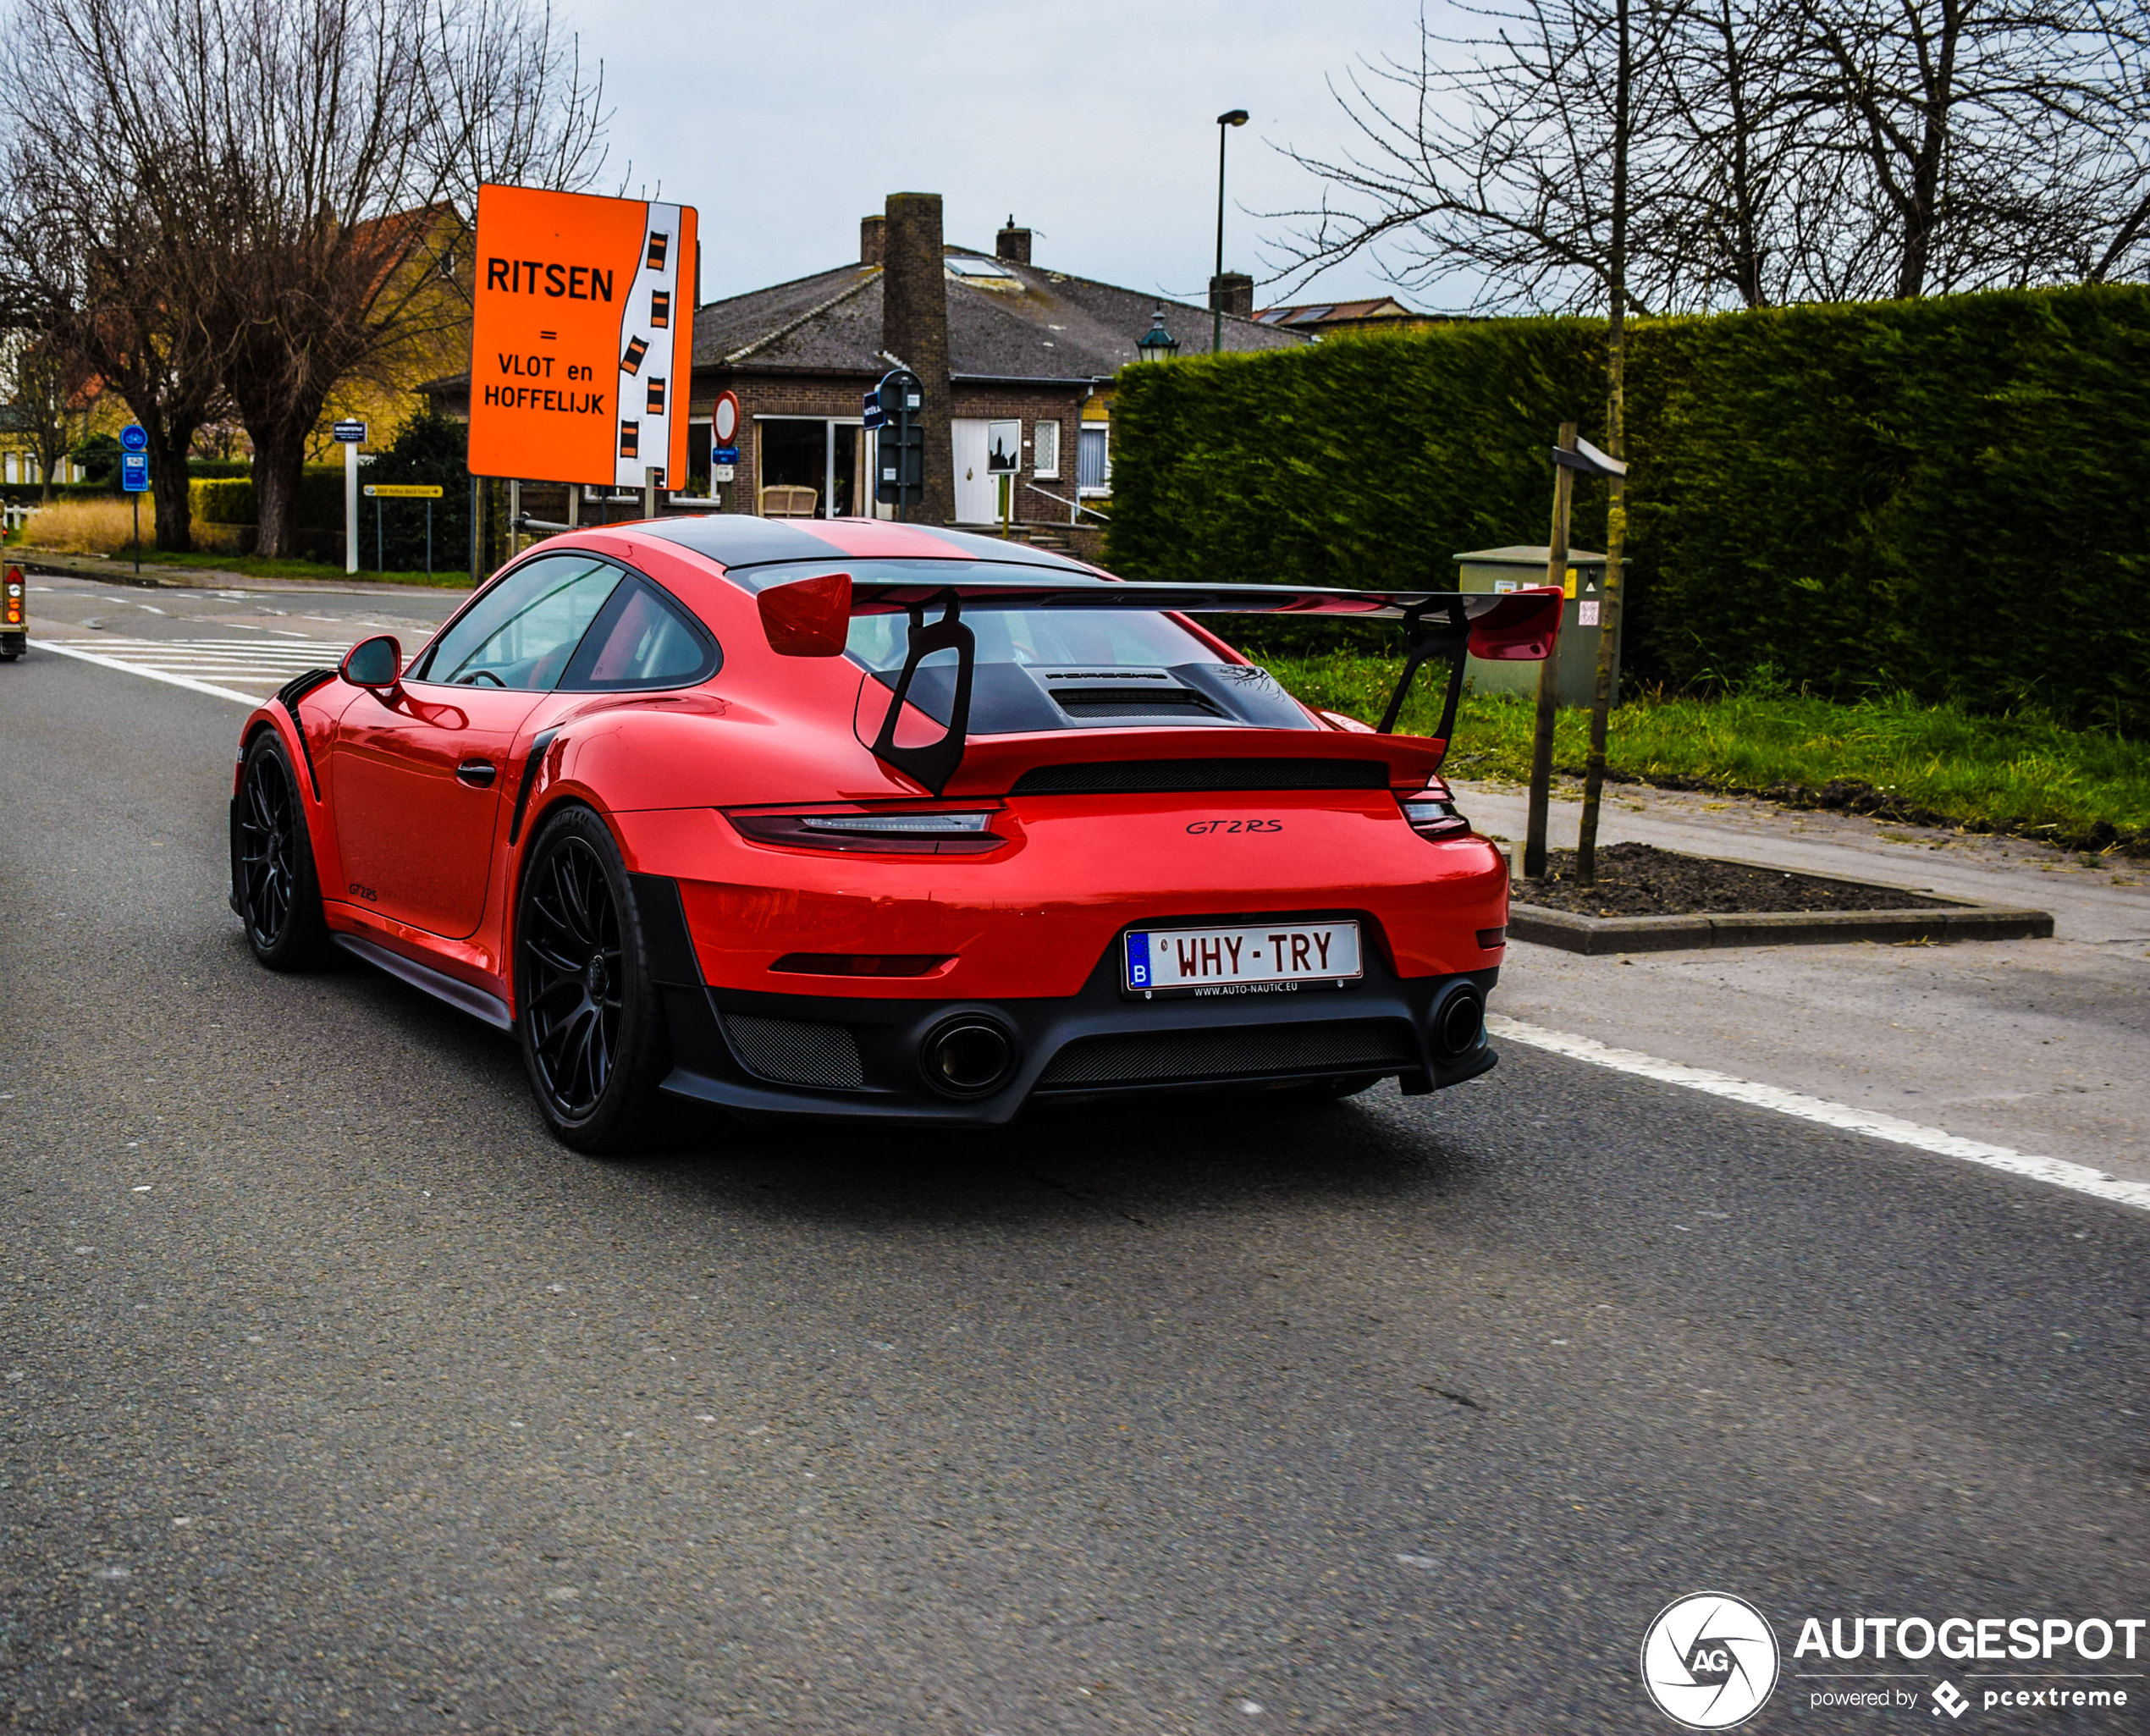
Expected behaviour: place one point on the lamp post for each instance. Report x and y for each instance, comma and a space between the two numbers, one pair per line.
1230, 117
1157, 344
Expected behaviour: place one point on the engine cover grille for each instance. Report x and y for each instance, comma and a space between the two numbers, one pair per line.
794, 1052
1246, 1051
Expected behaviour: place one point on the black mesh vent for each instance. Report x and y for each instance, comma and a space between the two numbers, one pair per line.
1150, 776
792, 1052
1246, 1051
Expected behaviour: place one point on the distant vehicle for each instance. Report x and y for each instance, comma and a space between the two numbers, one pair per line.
15, 616
861, 820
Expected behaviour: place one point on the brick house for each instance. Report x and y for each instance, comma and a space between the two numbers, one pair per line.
997, 339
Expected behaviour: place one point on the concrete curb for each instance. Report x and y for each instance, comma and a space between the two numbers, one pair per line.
207, 578
1792, 927
1952, 919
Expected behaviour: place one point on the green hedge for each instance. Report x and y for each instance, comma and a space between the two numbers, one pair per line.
1936, 497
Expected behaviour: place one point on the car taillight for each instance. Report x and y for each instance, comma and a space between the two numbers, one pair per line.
1432, 813
949, 831
11, 608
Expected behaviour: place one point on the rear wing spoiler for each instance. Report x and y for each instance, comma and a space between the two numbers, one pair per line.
812, 618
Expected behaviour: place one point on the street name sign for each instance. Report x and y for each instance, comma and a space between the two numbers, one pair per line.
403, 491
581, 336
350, 433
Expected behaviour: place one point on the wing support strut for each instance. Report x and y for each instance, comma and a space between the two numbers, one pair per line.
935, 763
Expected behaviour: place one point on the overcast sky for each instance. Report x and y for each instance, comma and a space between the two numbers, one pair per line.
784, 122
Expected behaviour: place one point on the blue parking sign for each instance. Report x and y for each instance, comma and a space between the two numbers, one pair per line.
134, 472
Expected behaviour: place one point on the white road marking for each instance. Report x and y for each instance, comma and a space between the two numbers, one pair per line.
2057, 1171
203, 665
154, 674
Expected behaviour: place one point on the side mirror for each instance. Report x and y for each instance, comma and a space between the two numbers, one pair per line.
1520, 628
374, 663
808, 617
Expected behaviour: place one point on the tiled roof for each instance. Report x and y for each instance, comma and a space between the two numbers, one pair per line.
1019, 322
1306, 314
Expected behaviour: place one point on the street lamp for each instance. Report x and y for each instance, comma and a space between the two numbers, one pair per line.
1230, 117
1157, 344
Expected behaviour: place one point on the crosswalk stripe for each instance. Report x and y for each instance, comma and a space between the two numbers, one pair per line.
219, 667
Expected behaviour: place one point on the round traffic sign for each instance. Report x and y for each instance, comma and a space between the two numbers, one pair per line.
134, 438
724, 418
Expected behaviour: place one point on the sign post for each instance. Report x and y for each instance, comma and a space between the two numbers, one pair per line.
134, 477
724, 440
351, 435
427, 492
580, 343
892, 408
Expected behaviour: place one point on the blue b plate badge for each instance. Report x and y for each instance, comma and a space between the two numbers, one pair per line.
1265, 958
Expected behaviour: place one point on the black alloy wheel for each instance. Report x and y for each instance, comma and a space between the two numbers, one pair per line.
591, 1030
272, 860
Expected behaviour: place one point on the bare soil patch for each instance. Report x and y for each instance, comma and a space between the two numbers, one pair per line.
1640, 879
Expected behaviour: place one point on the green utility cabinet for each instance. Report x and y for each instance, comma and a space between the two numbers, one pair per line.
1575, 657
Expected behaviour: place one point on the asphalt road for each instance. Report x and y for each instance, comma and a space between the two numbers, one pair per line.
337, 1398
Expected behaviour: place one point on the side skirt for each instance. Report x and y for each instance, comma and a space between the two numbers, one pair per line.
440, 985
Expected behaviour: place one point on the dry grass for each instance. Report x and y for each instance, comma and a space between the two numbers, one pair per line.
86, 526
107, 527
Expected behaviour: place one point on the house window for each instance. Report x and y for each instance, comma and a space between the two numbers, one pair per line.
1092, 462
1045, 451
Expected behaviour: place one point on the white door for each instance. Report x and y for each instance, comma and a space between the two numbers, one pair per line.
978, 494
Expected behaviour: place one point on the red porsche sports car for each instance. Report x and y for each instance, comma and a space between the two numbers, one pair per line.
868, 820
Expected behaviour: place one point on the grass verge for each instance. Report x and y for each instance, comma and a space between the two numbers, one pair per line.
1892, 757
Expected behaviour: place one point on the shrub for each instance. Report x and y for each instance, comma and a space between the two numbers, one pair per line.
1934, 496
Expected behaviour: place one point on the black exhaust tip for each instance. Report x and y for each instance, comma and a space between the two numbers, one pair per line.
967, 1056
1458, 1023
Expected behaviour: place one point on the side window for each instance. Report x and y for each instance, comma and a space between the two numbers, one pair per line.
644, 639
522, 632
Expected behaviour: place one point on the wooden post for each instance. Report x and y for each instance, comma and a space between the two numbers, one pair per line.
1533, 841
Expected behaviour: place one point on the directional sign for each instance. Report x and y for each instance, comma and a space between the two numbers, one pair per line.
134, 437
350, 433
403, 491
581, 336
134, 472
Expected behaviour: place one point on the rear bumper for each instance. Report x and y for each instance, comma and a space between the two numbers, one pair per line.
855, 1059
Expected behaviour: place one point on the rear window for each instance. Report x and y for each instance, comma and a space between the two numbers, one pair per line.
1052, 638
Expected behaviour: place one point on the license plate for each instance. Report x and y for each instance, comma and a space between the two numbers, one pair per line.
1267, 958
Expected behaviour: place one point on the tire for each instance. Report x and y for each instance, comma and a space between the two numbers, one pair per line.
274, 886
587, 1016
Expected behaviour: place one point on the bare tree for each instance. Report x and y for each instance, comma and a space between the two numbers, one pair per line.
117, 290
314, 161
1779, 151
43, 391
1486, 160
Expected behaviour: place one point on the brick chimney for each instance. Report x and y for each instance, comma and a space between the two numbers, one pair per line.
1012, 244
914, 328
872, 239
1233, 292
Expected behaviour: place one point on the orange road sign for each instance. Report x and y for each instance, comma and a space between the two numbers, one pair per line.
581, 337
